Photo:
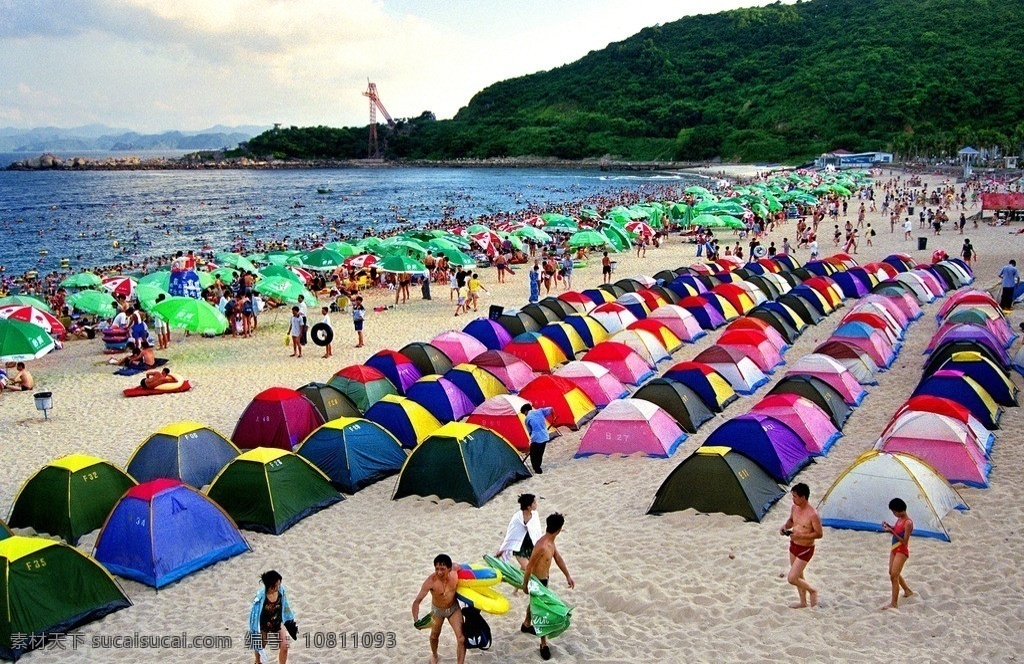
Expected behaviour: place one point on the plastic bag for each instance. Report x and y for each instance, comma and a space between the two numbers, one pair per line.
551, 616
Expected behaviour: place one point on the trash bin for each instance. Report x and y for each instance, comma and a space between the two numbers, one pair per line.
922, 243
495, 312
910, 210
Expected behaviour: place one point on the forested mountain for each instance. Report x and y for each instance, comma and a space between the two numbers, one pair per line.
781, 82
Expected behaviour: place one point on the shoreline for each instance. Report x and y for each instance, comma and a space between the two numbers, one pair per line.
217, 160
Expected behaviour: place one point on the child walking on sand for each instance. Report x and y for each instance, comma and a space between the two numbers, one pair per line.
328, 351
358, 315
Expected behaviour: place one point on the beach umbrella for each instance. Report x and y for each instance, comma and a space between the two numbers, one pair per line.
45, 320
283, 289
397, 263
234, 260
148, 293
119, 286
280, 271
21, 341
400, 246
458, 258
708, 221
343, 248
93, 302
531, 233
442, 243
616, 236
318, 259
361, 261
640, 228
280, 257
25, 300
195, 316
559, 223
225, 274
82, 280
587, 239
695, 190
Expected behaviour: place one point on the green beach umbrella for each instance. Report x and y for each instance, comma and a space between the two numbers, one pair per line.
368, 244
398, 263
226, 274
82, 280
731, 222
590, 213
93, 302
256, 258
559, 223
531, 233
477, 228
196, 316
440, 244
162, 278
760, 210
458, 258
148, 293
232, 259
400, 246
617, 236
587, 239
708, 221
318, 259
280, 257
21, 341
25, 301
343, 248
696, 191
516, 242
281, 271
284, 289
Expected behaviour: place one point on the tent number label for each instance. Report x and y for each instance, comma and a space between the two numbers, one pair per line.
331, 402
743, 474
88, 477
36, 563
623, 437
275, 463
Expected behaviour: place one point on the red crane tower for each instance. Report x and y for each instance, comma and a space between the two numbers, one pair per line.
372, 149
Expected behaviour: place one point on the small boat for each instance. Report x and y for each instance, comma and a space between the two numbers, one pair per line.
324, 190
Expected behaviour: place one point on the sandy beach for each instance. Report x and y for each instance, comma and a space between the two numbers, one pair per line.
678, 587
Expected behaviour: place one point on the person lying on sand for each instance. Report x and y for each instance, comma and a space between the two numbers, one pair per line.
157, 378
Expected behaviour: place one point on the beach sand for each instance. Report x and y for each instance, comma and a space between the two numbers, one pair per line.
677, 587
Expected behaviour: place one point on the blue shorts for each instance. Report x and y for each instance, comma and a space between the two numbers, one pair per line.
359, 325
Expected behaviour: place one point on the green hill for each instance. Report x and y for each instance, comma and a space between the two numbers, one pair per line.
782, 82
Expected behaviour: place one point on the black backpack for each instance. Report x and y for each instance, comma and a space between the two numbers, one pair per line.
475, 629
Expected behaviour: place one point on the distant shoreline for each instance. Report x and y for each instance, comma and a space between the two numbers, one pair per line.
218, 161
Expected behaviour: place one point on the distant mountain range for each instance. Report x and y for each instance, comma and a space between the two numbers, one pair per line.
101, 137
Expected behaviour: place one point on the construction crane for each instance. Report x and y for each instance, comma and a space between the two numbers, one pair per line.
372, 148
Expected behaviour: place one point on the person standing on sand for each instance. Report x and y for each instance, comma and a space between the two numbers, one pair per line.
803, 527
441, 586
899, 552
535, 282
269, 617
1010, 278
606, 268
328, 351
544, 552
295, 331
968, 253
522, 532
358, 316
537, 427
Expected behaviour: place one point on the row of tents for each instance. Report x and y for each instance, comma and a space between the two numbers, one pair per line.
944, 433
739, 467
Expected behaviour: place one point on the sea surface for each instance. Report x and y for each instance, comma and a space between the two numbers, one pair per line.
49, 215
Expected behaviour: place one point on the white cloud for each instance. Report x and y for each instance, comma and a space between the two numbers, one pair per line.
155, 65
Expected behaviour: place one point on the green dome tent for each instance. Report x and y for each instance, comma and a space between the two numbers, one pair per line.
464, 462
716, 479
69, 497
49, 588
269, 490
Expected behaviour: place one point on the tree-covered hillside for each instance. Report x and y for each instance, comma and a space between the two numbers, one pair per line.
782, 82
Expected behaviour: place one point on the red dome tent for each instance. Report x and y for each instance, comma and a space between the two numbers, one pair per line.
277, 417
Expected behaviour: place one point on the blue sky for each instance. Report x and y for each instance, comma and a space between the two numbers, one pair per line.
152, 65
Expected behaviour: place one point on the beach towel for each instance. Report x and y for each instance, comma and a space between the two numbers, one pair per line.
138, 391
131, 371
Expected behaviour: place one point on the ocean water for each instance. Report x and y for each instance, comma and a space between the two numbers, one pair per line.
49, 215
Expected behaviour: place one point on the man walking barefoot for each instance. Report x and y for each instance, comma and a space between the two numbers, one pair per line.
803, 527
540, 566
441, 586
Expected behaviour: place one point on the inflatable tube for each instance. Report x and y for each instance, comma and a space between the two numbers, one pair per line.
487, 600
477, 576
760, 251
321, 334
166, 388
